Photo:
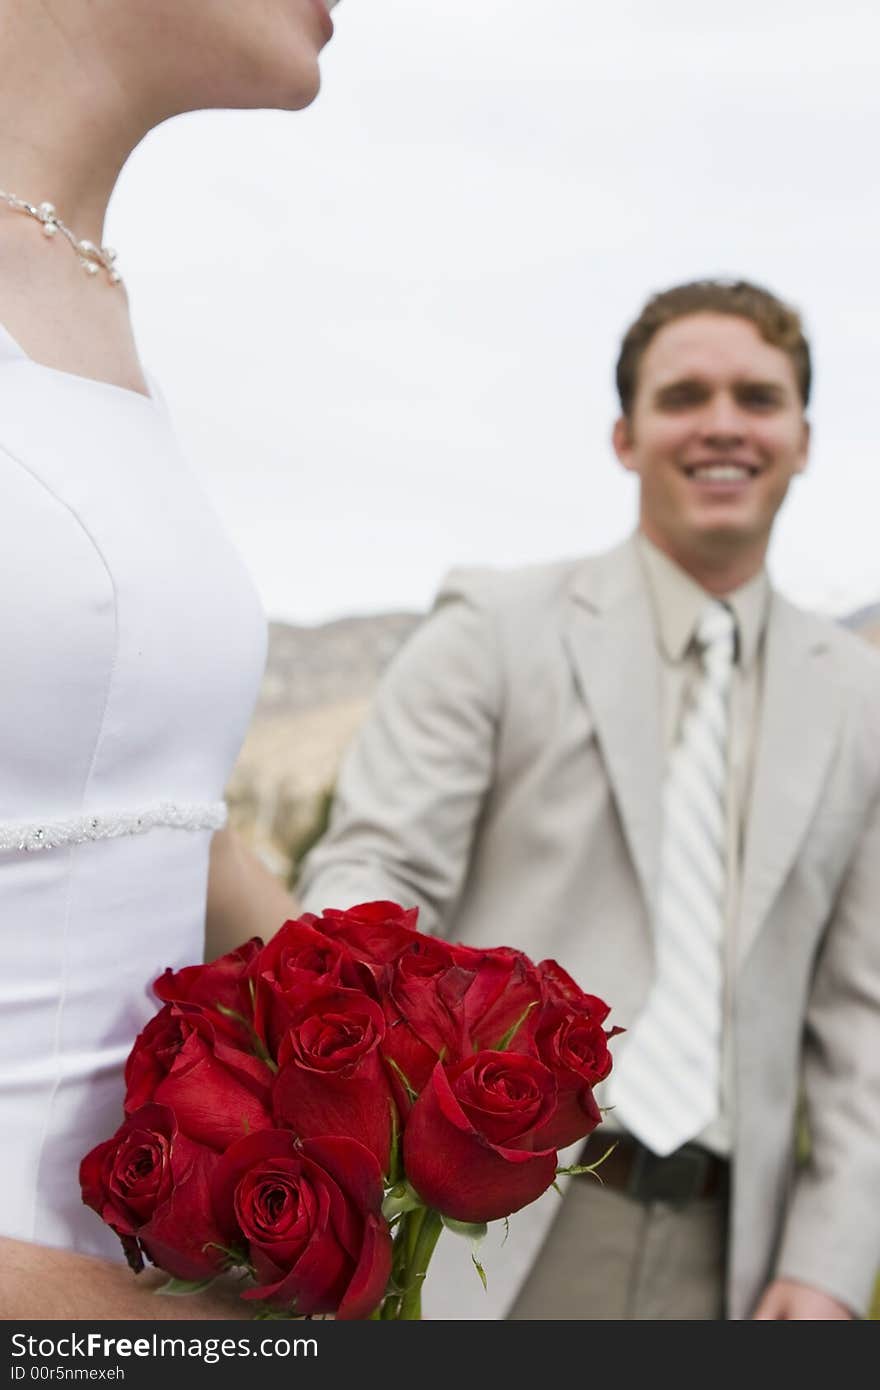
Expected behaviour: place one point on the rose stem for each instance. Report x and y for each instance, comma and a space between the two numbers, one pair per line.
430, 1227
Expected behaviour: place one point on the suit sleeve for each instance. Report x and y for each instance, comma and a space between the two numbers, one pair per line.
832, 1233
412, 785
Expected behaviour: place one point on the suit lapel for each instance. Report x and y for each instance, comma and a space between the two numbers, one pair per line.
613, 649
799, 722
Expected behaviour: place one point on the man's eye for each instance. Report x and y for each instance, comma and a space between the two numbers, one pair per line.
679, 397
759, 398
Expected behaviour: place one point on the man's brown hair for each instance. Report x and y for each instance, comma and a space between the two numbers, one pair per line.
777, 322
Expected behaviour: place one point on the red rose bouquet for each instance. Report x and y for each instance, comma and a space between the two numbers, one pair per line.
313, 1111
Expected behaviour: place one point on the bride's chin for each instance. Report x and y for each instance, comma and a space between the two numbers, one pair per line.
293, 89
284, 83
301, 101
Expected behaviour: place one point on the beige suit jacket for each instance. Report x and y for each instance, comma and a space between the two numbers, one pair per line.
508, 782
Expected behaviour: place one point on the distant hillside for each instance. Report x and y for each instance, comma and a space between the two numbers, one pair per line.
316, 690
313, 666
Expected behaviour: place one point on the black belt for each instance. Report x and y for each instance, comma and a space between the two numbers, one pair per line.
686, 1175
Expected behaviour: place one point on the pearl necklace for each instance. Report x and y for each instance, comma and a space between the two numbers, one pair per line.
92, 258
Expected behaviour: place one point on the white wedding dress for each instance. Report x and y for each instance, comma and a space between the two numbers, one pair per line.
131, 648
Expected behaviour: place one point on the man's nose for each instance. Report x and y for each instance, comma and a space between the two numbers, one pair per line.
722, 420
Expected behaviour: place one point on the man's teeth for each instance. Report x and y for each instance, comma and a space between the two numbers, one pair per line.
722, 472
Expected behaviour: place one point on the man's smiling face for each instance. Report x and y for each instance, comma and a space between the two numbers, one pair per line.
716, 433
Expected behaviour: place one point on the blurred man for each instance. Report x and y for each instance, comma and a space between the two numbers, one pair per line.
651, 767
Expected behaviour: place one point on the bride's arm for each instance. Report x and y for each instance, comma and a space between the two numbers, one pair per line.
244, 897
39, 1283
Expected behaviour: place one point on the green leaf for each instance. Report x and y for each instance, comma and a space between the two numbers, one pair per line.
505, 1042
183, 1286
400, 1198
506, 1229
473, 1230
234, 1258
259, 1046
577, 1168
232, 1013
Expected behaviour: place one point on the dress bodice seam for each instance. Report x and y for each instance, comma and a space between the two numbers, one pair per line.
111, 675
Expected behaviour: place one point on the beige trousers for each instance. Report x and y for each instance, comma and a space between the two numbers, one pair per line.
610, 1257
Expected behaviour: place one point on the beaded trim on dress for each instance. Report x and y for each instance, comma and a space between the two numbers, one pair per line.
109, 826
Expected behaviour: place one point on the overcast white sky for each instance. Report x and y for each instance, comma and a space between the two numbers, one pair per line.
386, 326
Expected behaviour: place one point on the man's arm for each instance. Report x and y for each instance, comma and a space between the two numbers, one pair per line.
39, 1283
413, 783
831, 1240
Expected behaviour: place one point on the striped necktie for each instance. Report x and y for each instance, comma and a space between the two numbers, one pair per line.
665, 1088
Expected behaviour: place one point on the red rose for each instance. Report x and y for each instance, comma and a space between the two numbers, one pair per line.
297, 958
221, 989
575, 1049
152, 1186
422, 995
331, 1078
151, 1058
310, 1213
217, 1092
568, 1042
440, 999
504, 996
559, 988
469, 1143
374, 933
566, 1033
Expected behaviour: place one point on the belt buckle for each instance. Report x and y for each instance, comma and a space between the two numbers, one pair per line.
677, 1179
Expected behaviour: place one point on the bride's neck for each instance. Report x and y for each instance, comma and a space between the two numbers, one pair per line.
65, 127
